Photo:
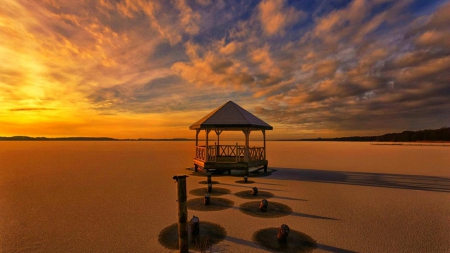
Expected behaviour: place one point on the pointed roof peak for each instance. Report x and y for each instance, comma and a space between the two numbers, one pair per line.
230, 115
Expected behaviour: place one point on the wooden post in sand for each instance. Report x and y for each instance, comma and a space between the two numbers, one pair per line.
195, 226
283, 233
182, 214
207, 199
209, 189
255, 191
208, 178
263, 205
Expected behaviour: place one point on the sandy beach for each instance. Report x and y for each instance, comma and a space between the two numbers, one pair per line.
119, 196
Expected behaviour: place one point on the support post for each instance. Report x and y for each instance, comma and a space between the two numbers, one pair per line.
197, 131
264, 138
265, 159
206, 146
218, 132
237, 152
247, 143
182, 214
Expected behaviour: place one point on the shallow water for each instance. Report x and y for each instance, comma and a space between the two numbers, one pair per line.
117, 196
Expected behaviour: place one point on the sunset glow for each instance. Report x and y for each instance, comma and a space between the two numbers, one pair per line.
150, 69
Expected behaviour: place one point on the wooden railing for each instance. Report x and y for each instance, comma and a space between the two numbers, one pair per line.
229, 150
240, 157
200, 153
256, 154
238, 151
212, 153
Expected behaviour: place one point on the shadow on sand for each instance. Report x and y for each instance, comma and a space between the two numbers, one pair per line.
255, 246
333, 249
411, 182
304, 215
249, 187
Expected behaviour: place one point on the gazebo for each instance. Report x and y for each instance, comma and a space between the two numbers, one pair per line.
230, 117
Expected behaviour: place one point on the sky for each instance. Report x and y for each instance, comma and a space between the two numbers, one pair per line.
150, 69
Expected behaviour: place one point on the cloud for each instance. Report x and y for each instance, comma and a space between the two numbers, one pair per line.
430, 69
434, 38
203, 2
326, 68
31, 109
275, 16
188, 18
439, 19
343, 68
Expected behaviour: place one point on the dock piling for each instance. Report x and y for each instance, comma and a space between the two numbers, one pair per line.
207, 199
208, 178
283, 232
182, 213
263, 205
195, 225
209, 187
255, 191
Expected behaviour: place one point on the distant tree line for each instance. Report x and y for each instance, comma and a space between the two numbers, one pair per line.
27, 138
442, 134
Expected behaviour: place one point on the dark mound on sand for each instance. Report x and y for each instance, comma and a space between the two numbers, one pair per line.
258, 172
274, 209
243, 182
210, 234
206, 182
216, 204
248, 195
216, 191
296, 241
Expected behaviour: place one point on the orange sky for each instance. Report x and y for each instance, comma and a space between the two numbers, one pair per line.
150, 69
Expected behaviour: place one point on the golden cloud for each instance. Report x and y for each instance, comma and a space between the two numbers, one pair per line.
275, 16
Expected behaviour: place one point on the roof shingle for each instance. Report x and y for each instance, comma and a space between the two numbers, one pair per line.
230, 115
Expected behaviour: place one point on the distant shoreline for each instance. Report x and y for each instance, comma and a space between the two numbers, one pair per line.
391, 143
27, 138
441, 135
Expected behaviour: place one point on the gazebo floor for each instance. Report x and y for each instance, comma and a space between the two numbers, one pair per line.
228, 164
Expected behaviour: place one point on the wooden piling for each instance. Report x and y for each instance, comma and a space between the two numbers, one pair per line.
283, 232
195, 226
263, 205
209, 188
208, 178
182, 214
255, 191
206, 199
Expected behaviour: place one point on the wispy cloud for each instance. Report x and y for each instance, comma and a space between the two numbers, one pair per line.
31, 109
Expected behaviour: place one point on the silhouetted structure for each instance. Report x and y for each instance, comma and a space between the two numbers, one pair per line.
230, 117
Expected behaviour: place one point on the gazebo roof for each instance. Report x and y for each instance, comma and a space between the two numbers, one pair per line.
230, 116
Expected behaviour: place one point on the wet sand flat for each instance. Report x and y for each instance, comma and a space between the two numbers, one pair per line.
118, 196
